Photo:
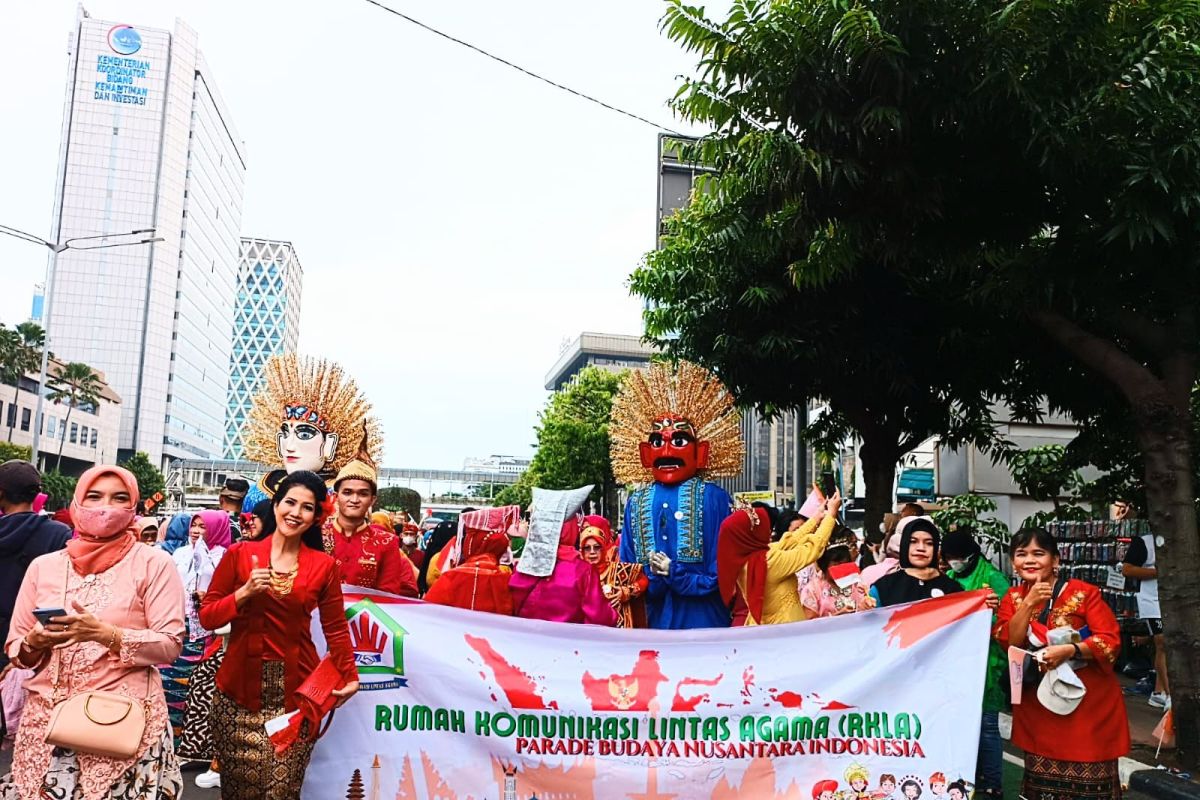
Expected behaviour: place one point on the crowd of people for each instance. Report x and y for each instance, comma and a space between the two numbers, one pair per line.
95, 612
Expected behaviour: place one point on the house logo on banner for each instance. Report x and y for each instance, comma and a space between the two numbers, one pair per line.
378, 644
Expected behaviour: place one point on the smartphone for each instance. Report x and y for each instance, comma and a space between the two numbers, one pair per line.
828, 484
44, 615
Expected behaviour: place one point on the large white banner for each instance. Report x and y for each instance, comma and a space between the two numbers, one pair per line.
457, 705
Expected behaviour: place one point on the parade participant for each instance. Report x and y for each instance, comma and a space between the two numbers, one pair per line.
624, 585
309, 415
269, 590
439, 538
124, 607
208, 538
971, 569
479, 583
765, 571
570, 593
147, 530
24, 534
918, 577
177, 532
1072, 739
262, 521
409, 538
891, 555
830, 594
367, 554
232, 500
672, 430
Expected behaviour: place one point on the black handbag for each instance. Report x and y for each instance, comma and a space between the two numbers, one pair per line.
1031, 676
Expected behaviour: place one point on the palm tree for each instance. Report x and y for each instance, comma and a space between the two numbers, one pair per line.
20, 353
77, 384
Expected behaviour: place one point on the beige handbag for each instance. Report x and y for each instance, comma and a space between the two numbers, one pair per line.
99, 723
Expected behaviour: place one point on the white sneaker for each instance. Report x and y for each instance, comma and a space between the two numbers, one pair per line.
209, 780
1160, 700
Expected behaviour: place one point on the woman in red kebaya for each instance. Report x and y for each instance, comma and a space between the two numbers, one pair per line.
1071, 755
268, 590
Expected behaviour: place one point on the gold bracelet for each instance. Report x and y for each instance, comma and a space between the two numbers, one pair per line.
112, 641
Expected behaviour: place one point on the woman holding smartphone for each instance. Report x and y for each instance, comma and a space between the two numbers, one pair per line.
123, 615
268, 590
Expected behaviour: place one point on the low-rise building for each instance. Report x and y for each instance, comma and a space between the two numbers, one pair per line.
86, 436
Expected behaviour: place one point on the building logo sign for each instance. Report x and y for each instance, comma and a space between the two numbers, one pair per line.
124, 39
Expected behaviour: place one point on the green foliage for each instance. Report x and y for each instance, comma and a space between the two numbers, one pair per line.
150, 480
800, 269
75, 384
20, 353
60, 488
401, 498
572, 442
1021, 180
1043, 472
14, 452
973, 511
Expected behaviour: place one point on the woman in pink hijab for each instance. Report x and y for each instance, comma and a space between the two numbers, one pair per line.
572, 593
124, 615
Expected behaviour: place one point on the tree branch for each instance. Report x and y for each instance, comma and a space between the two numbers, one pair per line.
1154, 337
1098, 354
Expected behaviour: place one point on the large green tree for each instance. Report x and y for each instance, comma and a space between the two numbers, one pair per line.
1030, 169
573, 442
150, 479
20, 354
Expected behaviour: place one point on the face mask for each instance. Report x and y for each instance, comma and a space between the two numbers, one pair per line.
883, 527
955, 564
409, 540
102, 522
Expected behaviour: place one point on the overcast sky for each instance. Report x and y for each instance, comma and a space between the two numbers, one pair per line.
457, 221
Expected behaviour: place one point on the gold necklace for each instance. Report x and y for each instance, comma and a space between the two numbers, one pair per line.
281, 582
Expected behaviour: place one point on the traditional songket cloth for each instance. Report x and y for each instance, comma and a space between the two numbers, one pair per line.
1073, 756
478, 583
571, 593
623, 584
681, 521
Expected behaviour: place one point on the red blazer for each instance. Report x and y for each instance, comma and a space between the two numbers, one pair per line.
273, 628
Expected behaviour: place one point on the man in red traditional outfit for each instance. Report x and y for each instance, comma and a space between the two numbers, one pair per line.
367, 555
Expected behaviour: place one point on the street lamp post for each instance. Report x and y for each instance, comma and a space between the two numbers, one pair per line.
55, 249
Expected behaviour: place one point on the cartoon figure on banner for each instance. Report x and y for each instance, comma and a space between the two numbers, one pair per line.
859, 779
672, 429
911, 787
887, 787
309, 415
958, 791
937, 785
825, 790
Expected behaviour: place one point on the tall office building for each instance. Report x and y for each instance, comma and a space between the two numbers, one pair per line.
270, 281
148, 143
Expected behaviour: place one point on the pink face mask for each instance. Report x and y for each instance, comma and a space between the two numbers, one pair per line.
101, 522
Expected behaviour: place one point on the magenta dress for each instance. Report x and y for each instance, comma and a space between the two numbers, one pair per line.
572, 593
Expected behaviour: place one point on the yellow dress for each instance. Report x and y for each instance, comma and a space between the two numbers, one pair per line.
792, 553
